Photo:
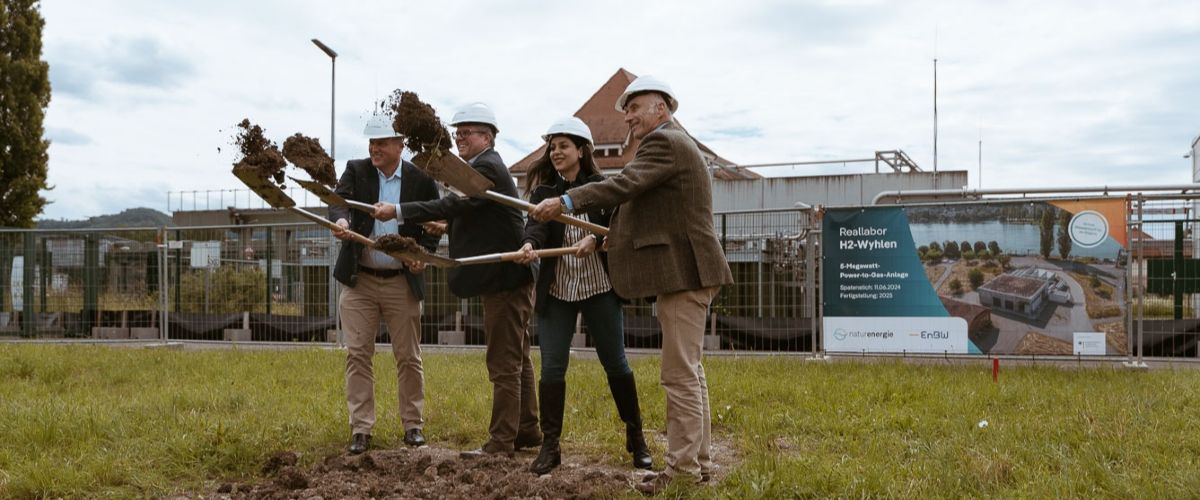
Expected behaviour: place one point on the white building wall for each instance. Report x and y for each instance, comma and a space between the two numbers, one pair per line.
828, 190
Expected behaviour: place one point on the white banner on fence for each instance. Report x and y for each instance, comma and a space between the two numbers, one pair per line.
896, 334
16, 283
1089, 344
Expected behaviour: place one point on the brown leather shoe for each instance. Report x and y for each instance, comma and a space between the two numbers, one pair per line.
654, 484
488, 448
531, 440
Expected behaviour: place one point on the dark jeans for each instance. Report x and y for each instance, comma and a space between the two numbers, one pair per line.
605, 322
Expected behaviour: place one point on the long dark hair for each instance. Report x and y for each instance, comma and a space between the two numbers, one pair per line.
543, 171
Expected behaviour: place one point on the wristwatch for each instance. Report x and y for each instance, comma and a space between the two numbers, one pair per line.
562, 200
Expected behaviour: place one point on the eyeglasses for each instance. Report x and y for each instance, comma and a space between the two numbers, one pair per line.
461, 134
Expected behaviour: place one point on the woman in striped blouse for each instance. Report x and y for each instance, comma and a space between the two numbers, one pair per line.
574, 284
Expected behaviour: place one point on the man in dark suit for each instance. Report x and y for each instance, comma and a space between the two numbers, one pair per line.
379, 286
478, 227
662, 244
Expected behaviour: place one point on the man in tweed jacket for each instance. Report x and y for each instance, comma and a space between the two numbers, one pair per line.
662, 244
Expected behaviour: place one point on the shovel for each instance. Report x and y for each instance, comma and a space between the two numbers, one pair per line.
331, 198
511, 256
278, 199
452, 170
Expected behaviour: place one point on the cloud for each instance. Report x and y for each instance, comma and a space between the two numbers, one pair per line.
78, 69
67, 137
143, 61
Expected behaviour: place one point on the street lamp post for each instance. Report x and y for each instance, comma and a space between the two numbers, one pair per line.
332, 85
333, 284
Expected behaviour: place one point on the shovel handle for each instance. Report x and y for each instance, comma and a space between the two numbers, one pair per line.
358, 205
526, 206
511, 256
369, 243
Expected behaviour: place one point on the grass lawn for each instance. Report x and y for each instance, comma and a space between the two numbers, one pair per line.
81, 420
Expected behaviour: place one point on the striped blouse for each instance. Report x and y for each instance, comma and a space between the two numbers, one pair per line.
578, 278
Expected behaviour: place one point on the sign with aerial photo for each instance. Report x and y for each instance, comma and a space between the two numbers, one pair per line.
1011, 278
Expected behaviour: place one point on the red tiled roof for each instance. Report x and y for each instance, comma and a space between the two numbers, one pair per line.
609, 129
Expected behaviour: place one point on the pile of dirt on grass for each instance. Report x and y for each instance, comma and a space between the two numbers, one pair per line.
400, 244
306, 152
259, 154
418, 123
429, 472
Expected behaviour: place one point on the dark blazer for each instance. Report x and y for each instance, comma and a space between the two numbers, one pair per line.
662, 238
549, 234
478, 227
360, 182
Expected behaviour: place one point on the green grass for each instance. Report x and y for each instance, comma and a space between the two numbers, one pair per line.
96, 421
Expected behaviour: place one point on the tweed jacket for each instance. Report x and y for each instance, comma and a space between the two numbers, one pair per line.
549, 234
478, 227
661, 238
360, 182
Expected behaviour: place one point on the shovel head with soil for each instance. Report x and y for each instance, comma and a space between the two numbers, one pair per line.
452, 170
278, 199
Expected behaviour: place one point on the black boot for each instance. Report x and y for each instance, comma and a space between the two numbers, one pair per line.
624, 391
552, 395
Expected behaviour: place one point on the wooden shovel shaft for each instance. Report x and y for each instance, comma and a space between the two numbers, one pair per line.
511, 256
369, 243
526, 206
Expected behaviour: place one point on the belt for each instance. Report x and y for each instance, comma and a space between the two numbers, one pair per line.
379, 273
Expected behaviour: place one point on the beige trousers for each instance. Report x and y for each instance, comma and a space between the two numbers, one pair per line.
683, 316
362, 307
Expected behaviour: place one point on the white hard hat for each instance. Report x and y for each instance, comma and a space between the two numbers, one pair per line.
647, 83
476, 112
570, 126
380, 127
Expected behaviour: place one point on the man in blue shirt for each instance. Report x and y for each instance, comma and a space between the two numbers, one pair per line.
379, 287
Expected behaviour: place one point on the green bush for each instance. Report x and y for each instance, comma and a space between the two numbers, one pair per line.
975, 276
228, 290
956, 286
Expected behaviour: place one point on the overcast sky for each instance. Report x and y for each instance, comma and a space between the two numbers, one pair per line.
145, 93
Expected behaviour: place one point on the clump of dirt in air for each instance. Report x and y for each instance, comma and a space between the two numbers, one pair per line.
259, 154
399, 244
418, 123
307, 153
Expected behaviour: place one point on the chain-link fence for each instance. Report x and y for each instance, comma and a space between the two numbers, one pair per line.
273, 283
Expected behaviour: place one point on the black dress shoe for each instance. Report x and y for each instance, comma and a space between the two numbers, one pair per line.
413, 437
359, 443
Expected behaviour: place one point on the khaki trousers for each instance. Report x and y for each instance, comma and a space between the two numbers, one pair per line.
683, 316
361, 308
510, 369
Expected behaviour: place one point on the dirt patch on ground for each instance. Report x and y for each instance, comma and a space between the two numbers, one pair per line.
431, 472
259, 154
306, 152
418, 123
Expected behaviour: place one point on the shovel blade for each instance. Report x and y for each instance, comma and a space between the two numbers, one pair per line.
324, 193
264, 188
450, 169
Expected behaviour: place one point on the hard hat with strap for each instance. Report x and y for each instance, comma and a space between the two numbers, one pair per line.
647, 83
476, 112
380, 127
569, 126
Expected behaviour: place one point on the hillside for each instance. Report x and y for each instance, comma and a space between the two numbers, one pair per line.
133, 217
